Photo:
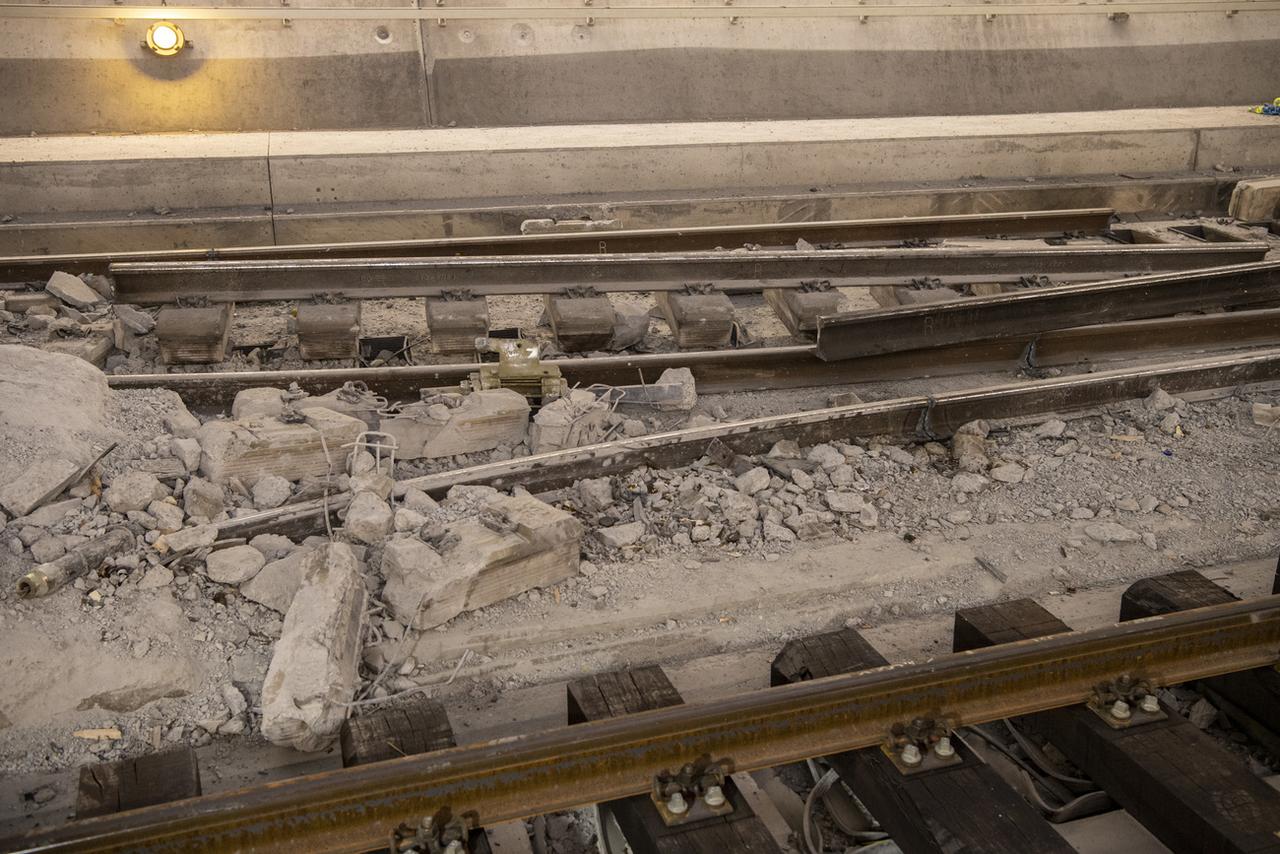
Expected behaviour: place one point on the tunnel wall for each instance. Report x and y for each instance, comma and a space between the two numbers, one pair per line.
95, 76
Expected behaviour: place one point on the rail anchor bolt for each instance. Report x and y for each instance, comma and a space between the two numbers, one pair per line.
1150, 704
714, 796
1120, 710
943, 748
676, 804
911, 755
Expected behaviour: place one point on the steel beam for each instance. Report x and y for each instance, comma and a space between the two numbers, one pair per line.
354, 809
889, 330
699, 238
721, 371
248, 281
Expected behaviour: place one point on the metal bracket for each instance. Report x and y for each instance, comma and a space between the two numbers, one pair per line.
923, 744
1126, 702
579, 292
439, 833
699, 288
694, 792
456, 294
815, 286
926, 283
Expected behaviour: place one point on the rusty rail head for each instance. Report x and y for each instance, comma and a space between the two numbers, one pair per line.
353, 809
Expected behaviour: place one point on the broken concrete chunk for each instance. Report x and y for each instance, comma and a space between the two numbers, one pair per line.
134, 319
752, 481
254, 448
572, 421
481, 421
187, 452
276, 583
188, 539
313, 671
271, 491
181, 422
1111, 532
39, 483
203, 498
235, 565
368, 518
682, 377
419, 502
167, 514
514, 544
134, 490
272, 546
72, 291
1266, 415
258, 403
621, 536
50, 514
595, 494
1160, 400
1008, 473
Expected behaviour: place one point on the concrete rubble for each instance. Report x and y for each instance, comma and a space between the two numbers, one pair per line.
509, 545
452, 424
316, 442
574, 420
313, 670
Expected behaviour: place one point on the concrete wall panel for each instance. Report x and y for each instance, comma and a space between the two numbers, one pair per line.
688, 84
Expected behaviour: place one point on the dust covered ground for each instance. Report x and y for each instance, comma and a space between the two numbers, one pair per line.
724, 568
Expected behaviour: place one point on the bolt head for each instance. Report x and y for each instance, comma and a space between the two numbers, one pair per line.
944, 748
454, 847
1120, 710
1150, 704
677, 805
911, 755
714, 796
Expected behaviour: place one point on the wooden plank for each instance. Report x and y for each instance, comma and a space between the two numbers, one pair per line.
966, 807
641, 689
1189, 792
126, 784
1252, 696
420, 726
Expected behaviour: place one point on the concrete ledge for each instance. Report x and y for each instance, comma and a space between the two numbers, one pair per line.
66, 174
317, 186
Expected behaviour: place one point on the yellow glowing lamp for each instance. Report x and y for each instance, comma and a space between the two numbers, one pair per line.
165, 38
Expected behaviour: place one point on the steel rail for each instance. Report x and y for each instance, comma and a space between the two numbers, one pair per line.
355, 808
646, 12
889, 330
247, 281
1020, 223
719, 371
918, 417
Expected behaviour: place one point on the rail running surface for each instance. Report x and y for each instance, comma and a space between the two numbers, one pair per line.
481, 276
355, 808
1034, 223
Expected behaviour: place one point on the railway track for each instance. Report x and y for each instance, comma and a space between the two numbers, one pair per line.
1053, 223
1094, 692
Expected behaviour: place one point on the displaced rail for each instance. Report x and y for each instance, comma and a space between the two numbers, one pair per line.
721, 371
698, 238
355, 808
889, 330
481, 276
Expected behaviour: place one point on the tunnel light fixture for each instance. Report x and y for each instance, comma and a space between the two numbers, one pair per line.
165, 38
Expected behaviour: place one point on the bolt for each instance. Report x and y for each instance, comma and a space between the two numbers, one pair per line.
943, 748
1120, 710
714, 796
455, 847
911, 754
1150, 704
676, 804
